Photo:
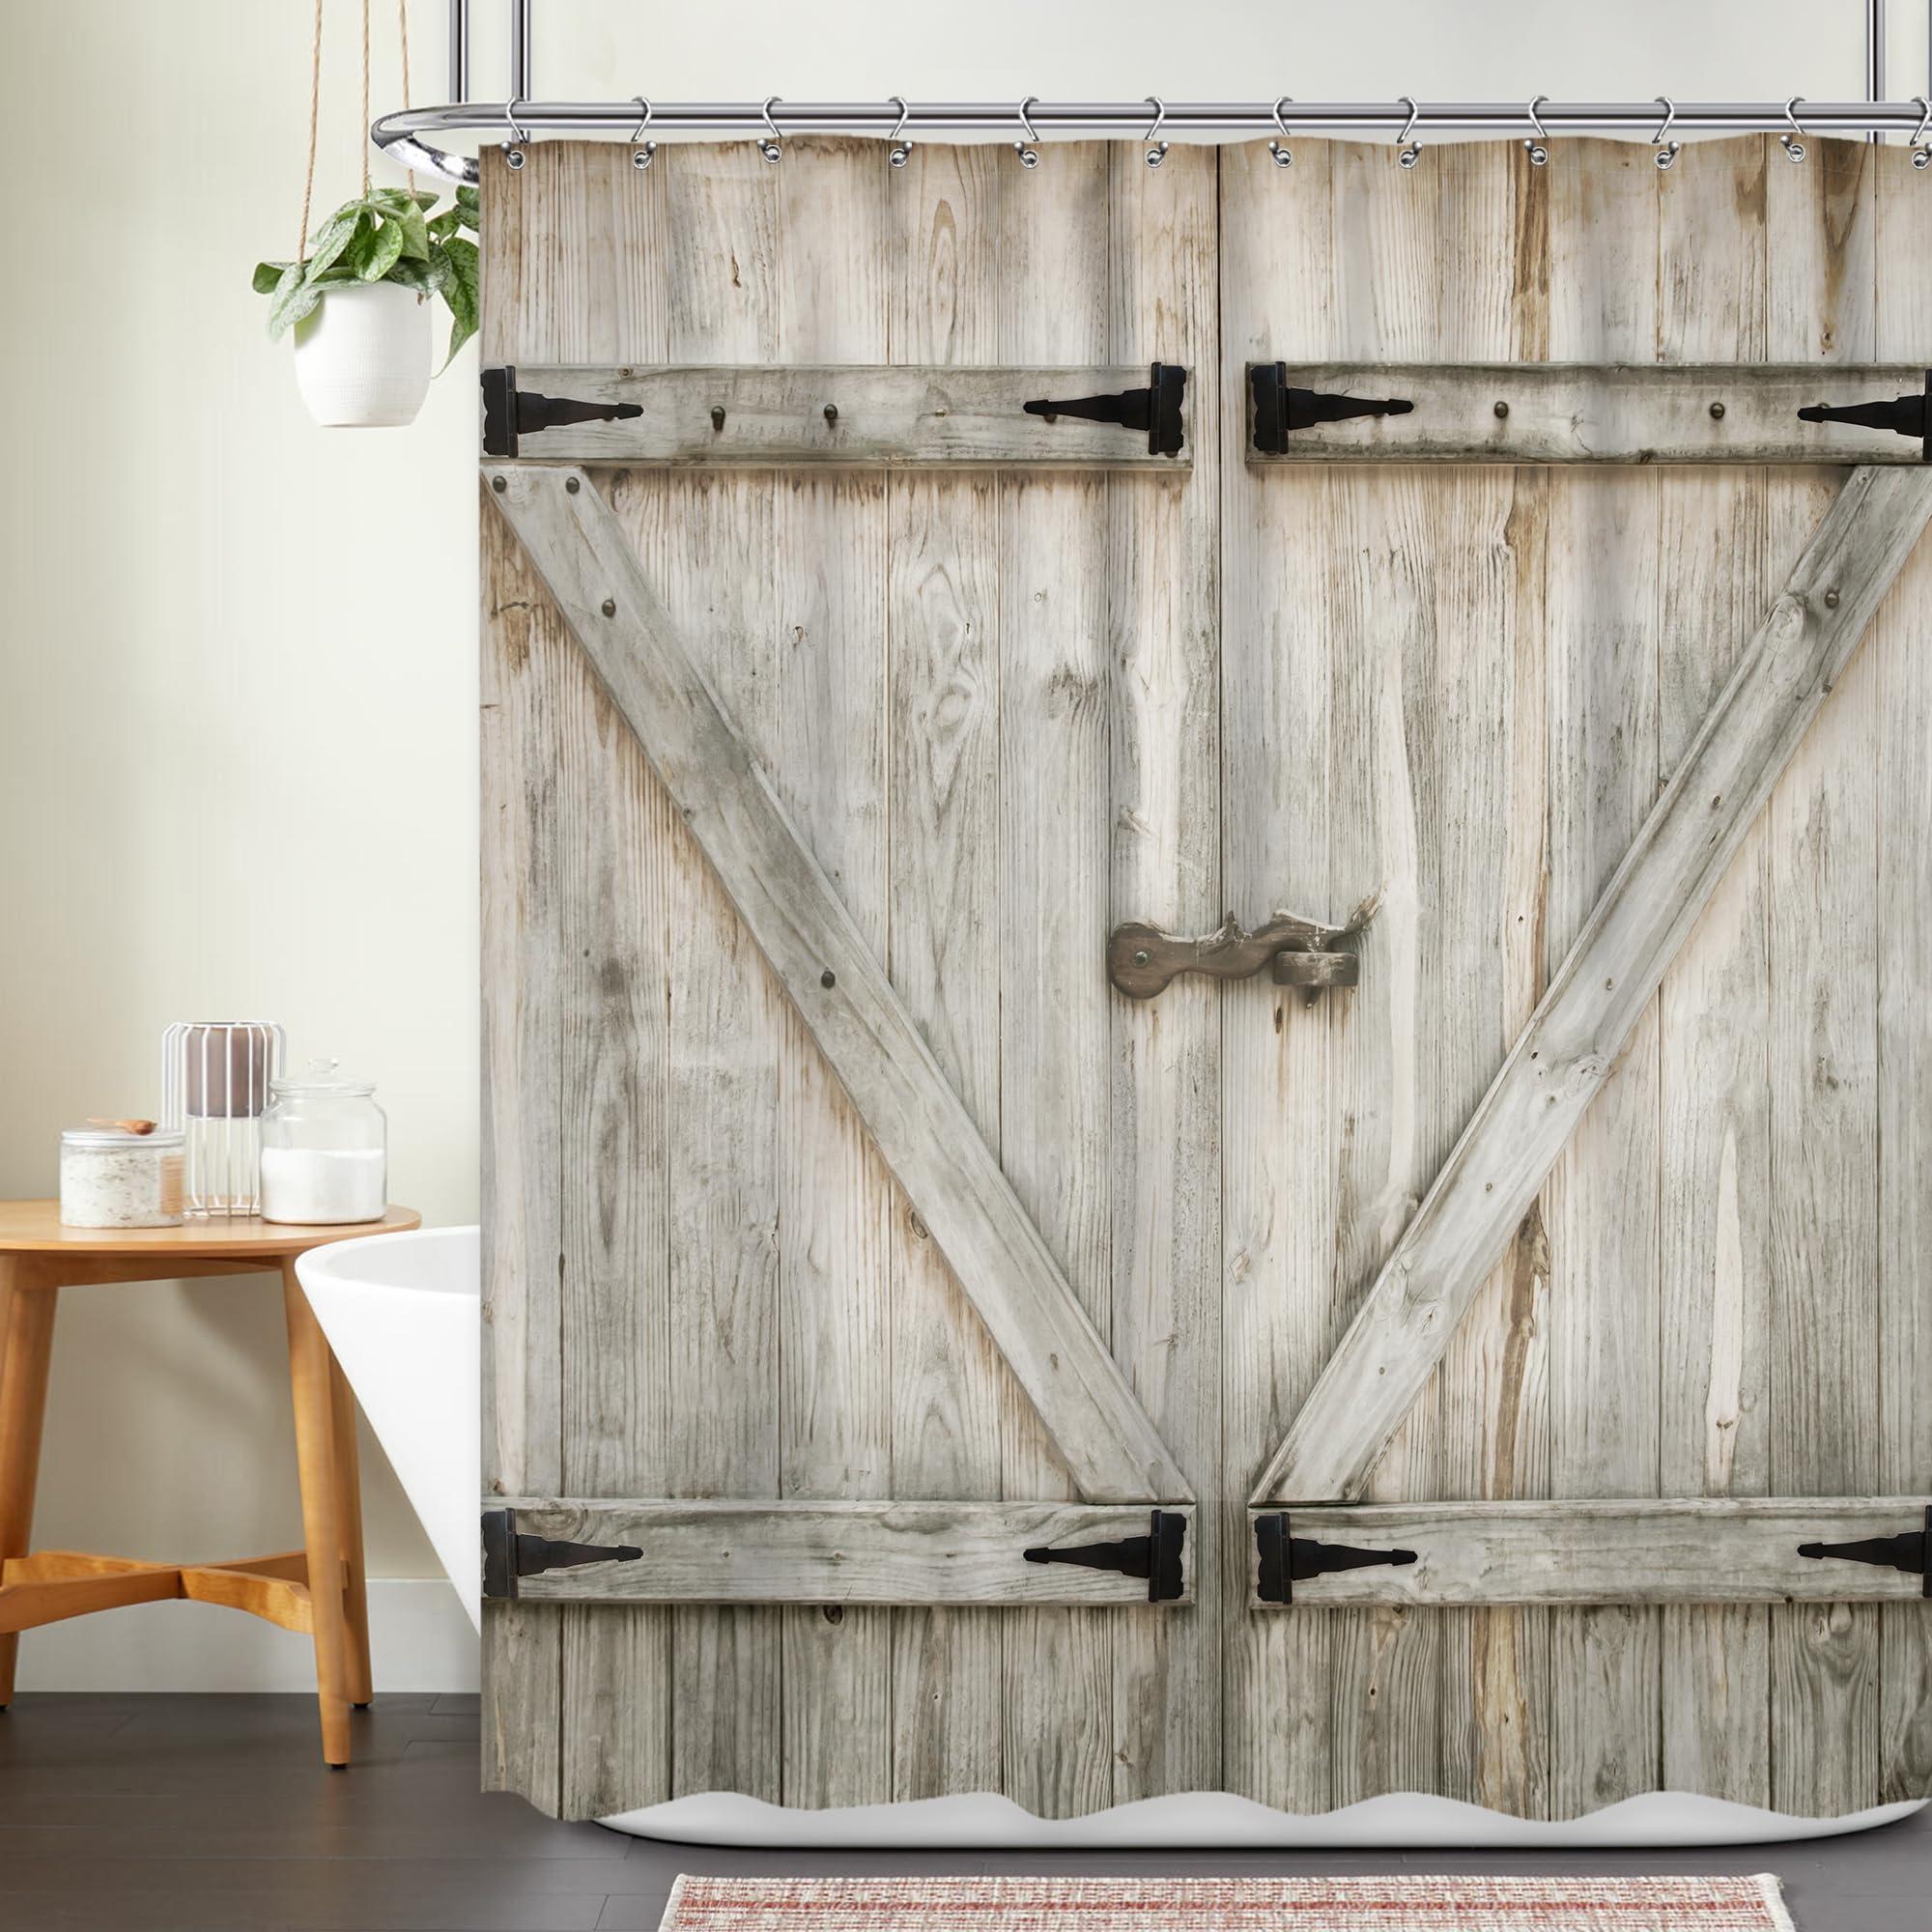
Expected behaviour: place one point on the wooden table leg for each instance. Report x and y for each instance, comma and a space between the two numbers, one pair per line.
27, 1323
349, 1518
311, 1376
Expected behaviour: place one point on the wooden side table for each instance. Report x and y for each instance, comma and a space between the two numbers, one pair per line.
319, 1588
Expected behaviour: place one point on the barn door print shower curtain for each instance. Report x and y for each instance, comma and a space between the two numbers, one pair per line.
849, 1236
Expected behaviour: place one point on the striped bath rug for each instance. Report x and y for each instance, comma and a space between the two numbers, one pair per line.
1405, 1904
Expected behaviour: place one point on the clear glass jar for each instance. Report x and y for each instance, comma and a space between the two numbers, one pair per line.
112, 1179
324, 1158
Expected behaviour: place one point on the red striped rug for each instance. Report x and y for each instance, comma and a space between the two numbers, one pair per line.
1405, 1904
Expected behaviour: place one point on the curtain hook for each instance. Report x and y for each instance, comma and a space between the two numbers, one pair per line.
1158, 152
1922, 148
1537, 146
512, 148
900, 152
1282, 154
1792, 146
1411, 150
643, 151
1666, 152
769, 146
1028, 154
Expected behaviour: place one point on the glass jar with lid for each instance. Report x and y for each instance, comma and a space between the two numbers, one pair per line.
112, 1177
324, 1158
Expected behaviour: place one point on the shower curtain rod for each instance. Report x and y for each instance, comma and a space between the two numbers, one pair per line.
402, 136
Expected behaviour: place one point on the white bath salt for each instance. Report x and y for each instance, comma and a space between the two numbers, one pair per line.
317, 1186
111, 1179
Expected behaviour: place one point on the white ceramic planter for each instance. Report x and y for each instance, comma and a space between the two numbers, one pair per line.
362, 356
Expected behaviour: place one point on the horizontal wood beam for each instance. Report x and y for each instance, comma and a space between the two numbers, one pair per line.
885, 1552
827, 415
1565, 1056
838, 987
1700, 1551
1584, 413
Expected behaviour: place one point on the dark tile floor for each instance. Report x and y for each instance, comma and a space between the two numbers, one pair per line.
203, 1814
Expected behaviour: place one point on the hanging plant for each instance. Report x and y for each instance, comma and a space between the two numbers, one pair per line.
357, 298
387, 235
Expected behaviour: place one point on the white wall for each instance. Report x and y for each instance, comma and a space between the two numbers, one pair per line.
238, 653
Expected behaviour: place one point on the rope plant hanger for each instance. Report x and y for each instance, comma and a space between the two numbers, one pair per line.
356, 293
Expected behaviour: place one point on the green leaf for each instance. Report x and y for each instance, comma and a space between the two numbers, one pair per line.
443, 226
417, 275
460, 293
469, 209
268, 276
336, 234
416, 233
383, 253
294, 298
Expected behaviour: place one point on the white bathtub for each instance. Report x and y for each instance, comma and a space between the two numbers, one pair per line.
403, 1313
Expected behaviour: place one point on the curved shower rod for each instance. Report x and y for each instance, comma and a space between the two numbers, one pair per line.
403, 136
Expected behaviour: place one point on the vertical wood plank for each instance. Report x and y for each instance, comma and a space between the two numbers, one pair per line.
1277, 1119
827, 756
1163, 702
727, 1019
524, 651
1054, 1012
1822, 863
1600, 1204
1904, 782
1714, 1006
943, 691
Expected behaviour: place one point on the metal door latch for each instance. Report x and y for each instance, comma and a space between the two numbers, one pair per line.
510, 413
508, 1553
1280, 411
1155, 1556
1903, 416
1911, 1552
1142, 959
1285, 1560
1156, 409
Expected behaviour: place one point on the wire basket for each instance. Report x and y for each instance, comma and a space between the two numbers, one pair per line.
214, 1083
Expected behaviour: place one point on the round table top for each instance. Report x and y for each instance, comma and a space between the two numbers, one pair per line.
34, 1228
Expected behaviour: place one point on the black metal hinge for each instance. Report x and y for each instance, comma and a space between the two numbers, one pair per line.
509, 1553
1287, 1560
1156, 1556
1911, 1552
1279, 409
510, 413
1903, 416
1156, 409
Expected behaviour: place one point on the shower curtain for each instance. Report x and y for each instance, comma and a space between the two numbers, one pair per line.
1007, 710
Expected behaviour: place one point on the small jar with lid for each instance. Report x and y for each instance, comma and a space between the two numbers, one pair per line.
112, 1179
324, 1156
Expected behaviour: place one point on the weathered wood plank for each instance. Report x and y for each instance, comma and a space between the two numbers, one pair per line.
524, 647
948, 1383
1603, 615
1821, 1048
836, 1553
1278, 1196
851, 414
1622, 1551
1164, 777
821, 735
835, 980
1055, 1080
1713, 1009
1615, 412
1903, 897
714, 558
1604, 987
